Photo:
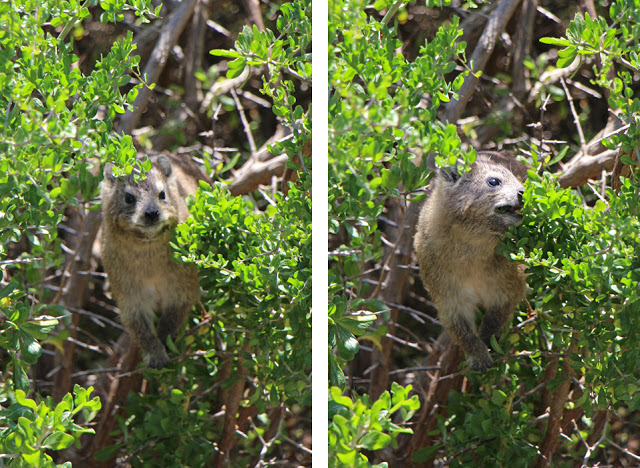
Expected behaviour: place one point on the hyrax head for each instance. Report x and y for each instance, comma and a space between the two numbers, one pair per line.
488, 197
144, 210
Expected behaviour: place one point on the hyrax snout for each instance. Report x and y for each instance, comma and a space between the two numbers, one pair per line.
459, 227
138, 221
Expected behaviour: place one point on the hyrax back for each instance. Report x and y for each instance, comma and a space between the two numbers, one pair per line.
459, 227
138, 220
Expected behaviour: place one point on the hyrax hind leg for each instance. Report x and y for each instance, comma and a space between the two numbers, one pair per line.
462, 330
170, 321
140, 327
494, 321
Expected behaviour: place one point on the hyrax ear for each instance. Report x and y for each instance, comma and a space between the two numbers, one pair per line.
165, 165
449, 174
108, 173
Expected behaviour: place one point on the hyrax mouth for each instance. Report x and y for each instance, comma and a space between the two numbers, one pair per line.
509, 210
151, 232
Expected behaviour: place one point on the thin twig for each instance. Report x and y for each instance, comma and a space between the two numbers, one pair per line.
96, 371
21, 260
245, 122
506, 357
591, 448
393, 9
576, 119
411, 369
297, 445
535, 389
71, 23
153, 443
446, 461
622, 449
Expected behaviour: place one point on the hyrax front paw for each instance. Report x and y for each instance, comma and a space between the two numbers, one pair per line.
158, 359
481, 362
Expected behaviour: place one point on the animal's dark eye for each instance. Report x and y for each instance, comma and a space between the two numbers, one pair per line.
129, 199
494, 182
162, 195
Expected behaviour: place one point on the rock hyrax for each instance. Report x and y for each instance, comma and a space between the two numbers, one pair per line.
138, 221
459, 227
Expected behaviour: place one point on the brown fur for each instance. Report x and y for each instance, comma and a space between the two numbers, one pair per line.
455, 241
138, 221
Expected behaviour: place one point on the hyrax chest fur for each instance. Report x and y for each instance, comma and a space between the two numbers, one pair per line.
138, 221
459, 227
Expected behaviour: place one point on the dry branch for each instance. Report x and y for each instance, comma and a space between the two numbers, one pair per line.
392, 289
261, 166
255, 15
231, 399
168, 38
495, 26
195, 52
245, 122
475, 22
587, 165
119, 388
223, 87
257, 173
576, 118
74, 294
447, 358
550, 77
512, 105
522, 48
621, 169
556, 411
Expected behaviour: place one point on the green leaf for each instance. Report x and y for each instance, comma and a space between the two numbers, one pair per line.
357, 324
555, 41
224, 53
8, 289
374, 440
348, 345
24, 401
236, 67
176, 396
336, 395
564, 62
108, 452
600, 206
336, 375
33, 458
58, 441
20, 378
426, 453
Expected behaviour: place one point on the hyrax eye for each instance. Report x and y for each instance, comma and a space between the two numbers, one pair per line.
494, 181
129, 199
162, 195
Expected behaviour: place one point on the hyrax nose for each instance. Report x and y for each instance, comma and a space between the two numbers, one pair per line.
151, 215
520, 195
